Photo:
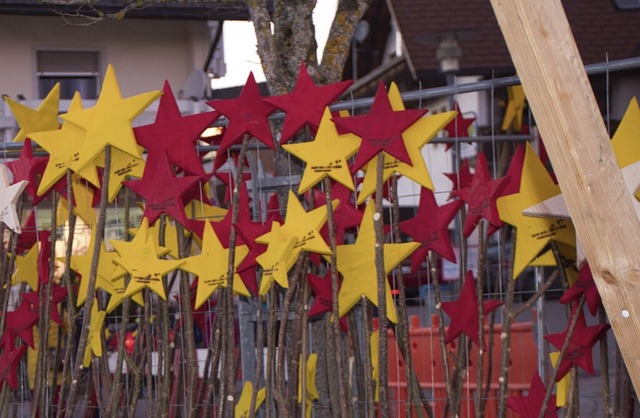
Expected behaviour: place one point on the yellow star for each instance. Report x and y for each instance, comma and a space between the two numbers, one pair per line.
374, 346
212, 265
303, 226
122, 166
63, 146
141, 261
277, 260
515, 108
626, 140
312, 393
27, 268
109, 121
170, 238
82, 265
356, 262
83, 197
533, 233
44, 118
116, 289
326, 155
415, 137
94, 337
568, 253
244, 403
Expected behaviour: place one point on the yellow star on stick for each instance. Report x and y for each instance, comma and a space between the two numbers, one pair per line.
170, 237
94, 338
140, 260
533, 233
312, 393
212, 266
356, 263
44, 118
116, 289
122, 166
626, 140
415, 137
83, 198
63, 146
109, 121
244, 403
374, 345
277, 260
326, 155
27, 268
515, 108
568, 253
124, 247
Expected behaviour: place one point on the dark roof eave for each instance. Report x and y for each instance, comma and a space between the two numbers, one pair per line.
177, 11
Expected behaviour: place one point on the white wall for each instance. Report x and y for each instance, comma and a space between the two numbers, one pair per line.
144, 52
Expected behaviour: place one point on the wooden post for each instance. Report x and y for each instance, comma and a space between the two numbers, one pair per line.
558, 90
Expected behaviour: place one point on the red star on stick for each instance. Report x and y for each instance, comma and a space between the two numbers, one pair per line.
464, 312
345, 216
583, 286
514, 174
162, 191
579, 350
44, 254
247, 114
20, 323
29, 234
480, 197
459, 126
175, 134
381, 129
27, 167
430, 228
58, 294
306, 103
461, 179
9, 366
529, 406
321, 286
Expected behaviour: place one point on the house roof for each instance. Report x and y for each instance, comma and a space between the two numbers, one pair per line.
598, 27
205, 10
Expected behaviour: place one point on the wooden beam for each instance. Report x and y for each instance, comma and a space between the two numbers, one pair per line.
558, 90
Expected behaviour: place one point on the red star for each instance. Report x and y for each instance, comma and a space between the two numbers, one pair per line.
583, 286
480, 197
9, 366
430, 227
27, 167
58, 294
579, 350
162, 191
464, 312
306, 103
44, 254
323, 300
461, 179
381, 129
175, 134
247, 114
529, 406
29, 234
20, 323
514, 173
459, 126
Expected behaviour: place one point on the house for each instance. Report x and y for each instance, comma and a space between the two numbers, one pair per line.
45, 44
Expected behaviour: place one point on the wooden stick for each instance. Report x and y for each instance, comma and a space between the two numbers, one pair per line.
552, 73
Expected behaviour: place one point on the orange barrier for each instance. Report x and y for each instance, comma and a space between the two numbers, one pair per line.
428, 364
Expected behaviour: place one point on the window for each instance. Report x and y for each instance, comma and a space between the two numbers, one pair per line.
74, 70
